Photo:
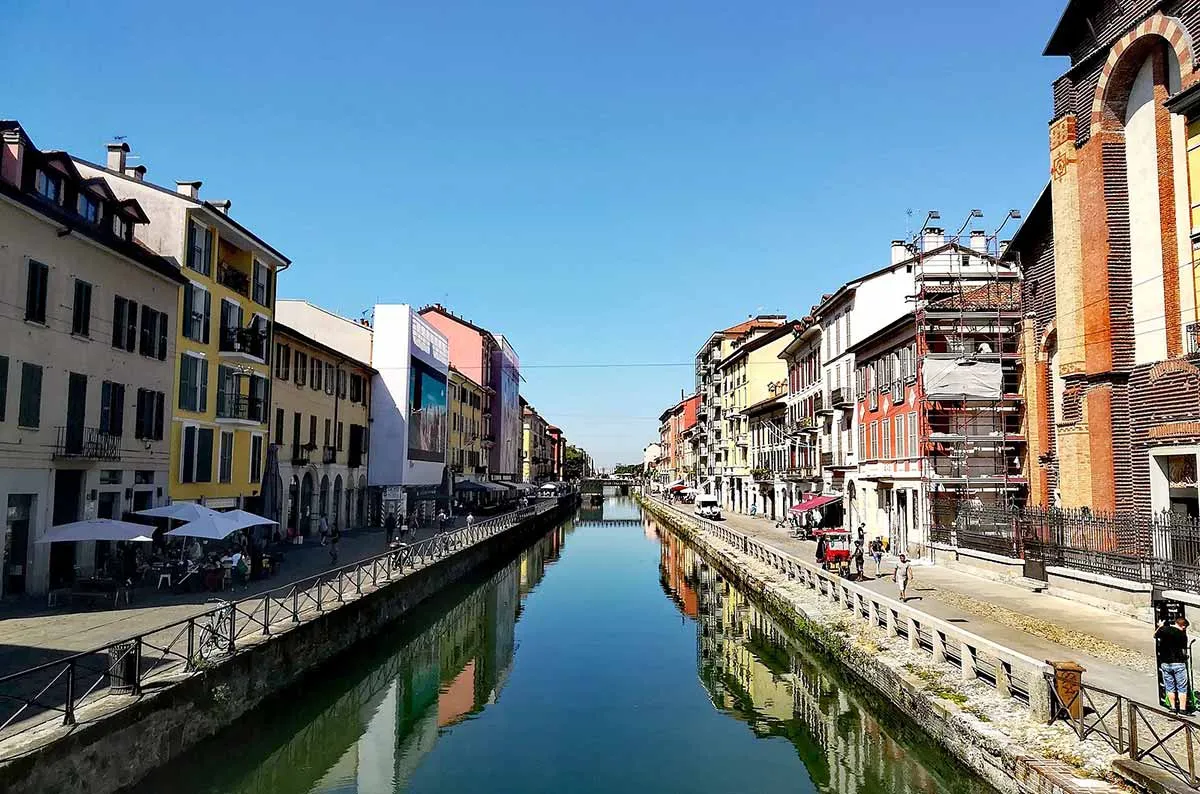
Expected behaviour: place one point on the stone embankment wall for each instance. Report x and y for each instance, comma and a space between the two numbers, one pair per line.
995, 737
120, 748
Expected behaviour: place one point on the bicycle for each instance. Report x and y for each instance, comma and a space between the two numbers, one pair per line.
216, 638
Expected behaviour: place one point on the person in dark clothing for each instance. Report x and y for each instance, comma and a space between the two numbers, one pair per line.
858, 559
1172, 663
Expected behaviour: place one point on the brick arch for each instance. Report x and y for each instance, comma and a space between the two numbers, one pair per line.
1048, 336
1119, 70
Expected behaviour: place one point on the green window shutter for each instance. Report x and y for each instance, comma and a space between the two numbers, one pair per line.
3, 386
187, 384
187, 470
160, 400
204, 455
118, 337
203, 364
30, 413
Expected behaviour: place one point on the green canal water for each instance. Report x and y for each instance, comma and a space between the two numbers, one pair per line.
608, 657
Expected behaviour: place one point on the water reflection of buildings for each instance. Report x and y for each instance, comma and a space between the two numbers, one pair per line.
372, 739
756, 673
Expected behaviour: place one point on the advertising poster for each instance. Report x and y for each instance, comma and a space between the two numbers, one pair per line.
427, 413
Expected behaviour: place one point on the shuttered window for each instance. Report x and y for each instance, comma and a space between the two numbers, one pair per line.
187, 457
112, 408
3, 386
38, 278
30, 411
81, 314
204, 454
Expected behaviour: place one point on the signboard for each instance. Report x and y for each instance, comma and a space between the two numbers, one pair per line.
393, 493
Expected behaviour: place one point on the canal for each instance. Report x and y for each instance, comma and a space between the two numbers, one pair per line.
607, 657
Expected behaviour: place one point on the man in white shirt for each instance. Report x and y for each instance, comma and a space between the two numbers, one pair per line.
902, 576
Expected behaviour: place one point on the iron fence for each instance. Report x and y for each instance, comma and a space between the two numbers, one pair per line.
1142, 732
57, 692
1160, 548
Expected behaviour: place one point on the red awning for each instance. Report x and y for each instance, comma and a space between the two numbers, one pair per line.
678, 487
813, 503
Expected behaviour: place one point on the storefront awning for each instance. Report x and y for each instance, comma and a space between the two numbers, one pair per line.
471, 485
813, 503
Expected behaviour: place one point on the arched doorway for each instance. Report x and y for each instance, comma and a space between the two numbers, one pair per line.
337, 503
323, 504
306, 503
293, 514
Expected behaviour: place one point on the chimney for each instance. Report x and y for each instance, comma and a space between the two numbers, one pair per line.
12, 156
932, 237
222, 204
189, 189
137, 172
899, 252
116, 156
979, 240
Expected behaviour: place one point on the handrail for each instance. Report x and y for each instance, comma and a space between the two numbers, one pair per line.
124, 666
942, 640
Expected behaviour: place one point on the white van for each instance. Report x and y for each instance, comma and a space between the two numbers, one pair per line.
708, 507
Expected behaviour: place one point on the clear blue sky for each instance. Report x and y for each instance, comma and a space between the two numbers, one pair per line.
602, 181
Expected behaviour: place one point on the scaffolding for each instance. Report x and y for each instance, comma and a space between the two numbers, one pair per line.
972, 414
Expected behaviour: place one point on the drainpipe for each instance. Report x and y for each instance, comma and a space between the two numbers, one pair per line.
270, 376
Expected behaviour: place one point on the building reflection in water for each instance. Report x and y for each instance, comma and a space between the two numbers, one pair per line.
369, 737
758, 674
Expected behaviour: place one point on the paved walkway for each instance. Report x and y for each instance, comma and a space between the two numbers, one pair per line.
1117, 651
31, 634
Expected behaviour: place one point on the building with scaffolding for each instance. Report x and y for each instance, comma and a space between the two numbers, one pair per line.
936, 393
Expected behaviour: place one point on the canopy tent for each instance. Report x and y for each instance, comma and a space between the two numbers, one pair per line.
244, 519
471, 485
813, 503
214, 527
98, 529
549, 487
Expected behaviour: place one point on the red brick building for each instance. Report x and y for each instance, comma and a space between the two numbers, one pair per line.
1109, 339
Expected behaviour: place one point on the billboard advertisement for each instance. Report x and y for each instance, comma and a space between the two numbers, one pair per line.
427, 413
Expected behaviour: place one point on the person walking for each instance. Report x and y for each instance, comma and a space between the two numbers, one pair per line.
441, 521
1172, 639
324, 529
470, 520
903, 576
334, 537
877, 554
858, 560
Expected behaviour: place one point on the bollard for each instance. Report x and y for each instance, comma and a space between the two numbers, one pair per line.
1068, 678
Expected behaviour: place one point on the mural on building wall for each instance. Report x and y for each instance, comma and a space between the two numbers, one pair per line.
427, 410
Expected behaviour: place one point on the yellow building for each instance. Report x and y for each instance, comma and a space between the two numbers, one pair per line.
223, 333
536, 463
320, 415
465, 453
751, 373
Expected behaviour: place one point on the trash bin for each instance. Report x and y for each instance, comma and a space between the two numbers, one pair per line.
122, 668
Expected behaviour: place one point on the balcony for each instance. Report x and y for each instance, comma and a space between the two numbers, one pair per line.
840, 398
742, 440
1193, 340
302, 454
249, 344
328, 455
821, 405
86, 443
801, 473
229, 276
240, 409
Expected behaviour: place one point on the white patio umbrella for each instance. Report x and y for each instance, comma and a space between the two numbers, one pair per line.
208, 527
244, 518
180, 511
98, 529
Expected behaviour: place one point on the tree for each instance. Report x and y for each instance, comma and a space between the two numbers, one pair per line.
577, 463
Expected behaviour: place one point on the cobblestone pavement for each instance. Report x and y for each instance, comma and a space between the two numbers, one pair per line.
1117, 651
31, 634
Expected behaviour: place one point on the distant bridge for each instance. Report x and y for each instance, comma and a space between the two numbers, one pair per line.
624, 522
607, 485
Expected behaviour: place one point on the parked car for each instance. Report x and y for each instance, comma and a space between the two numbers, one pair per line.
708, 507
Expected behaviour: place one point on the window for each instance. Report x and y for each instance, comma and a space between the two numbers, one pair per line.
112, 408
227, 391
283, 361
278, 426
111, 476
150, 412
330, 379
197, 313
154, 334
301, 368
143, 477
314, 377
874, 441
258, 398
356, 388
35, 292
199, 251
87, 207
328, 431
3, 385
256, 458
262, 284
231, 323
29, 413
81, 315
193, 383
120, 227
913, 451
124, 323
885, 450
195, 460
341, 383
225, 467
312, 431
339, 434
48, 186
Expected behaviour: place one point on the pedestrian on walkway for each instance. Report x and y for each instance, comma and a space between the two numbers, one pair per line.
903, 576
441, 521
858, 560
877, 554
334, 537
470, 520
1172, 641
324, 529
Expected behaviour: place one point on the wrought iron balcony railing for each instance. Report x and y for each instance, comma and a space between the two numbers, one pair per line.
250, 341
239, 406
86, 443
